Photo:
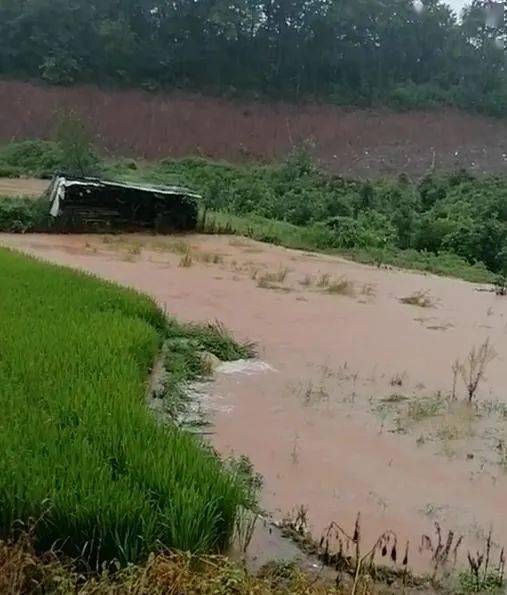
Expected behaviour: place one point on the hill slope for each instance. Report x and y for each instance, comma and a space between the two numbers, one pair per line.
365, 143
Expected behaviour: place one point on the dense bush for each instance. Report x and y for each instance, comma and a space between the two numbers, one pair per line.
70, 152
31, 157
452, 214
24, 214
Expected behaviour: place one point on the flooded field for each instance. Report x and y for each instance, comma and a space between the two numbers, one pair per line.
350, 407
19, 187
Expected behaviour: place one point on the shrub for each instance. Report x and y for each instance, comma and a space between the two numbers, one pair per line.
24, 214
411, 96
31, 157
60, 69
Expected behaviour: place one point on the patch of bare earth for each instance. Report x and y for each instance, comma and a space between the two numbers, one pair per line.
352, 411
352, 142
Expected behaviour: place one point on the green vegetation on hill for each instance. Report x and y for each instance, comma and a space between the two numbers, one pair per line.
82, 457
404, 53
36, 158
452, 224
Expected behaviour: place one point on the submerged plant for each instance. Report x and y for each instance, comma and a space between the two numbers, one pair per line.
422, 299
186, 260
473, 369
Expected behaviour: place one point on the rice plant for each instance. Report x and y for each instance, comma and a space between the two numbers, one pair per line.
81, 453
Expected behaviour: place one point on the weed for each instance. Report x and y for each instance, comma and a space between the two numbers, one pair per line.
294, 453
246, 520
135, 249
442, 550
455, 372
23, 571
472, 581
450, 432
368, 290
422, 408
278, 276
394, 398
209, 257
341, 286
481, 577
176, 246
324, 280
361, 561
408, 412
473, 369
314, 394
186, 260
306, 281
501, 285
271, 280
264, 283
421, 299
396, 380
214, 338
244, 470
248, 515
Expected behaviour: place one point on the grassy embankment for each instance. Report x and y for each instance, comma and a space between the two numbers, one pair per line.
82, 457
452, 225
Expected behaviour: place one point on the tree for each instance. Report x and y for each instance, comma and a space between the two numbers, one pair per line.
354, 51
75, 145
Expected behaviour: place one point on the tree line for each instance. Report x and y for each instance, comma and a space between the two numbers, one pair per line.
412, 53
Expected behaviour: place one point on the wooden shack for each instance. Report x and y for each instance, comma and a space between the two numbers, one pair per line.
94, 204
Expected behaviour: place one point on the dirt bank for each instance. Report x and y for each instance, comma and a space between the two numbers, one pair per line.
346, 416
354, 142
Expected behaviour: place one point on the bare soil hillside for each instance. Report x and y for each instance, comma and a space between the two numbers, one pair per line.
355, 142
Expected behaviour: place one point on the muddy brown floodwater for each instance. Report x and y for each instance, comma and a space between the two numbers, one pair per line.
30, 187
349, 410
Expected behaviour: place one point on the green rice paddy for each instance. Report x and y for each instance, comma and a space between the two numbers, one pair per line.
82, 459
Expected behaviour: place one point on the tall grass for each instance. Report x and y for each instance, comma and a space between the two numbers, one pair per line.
81, 454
